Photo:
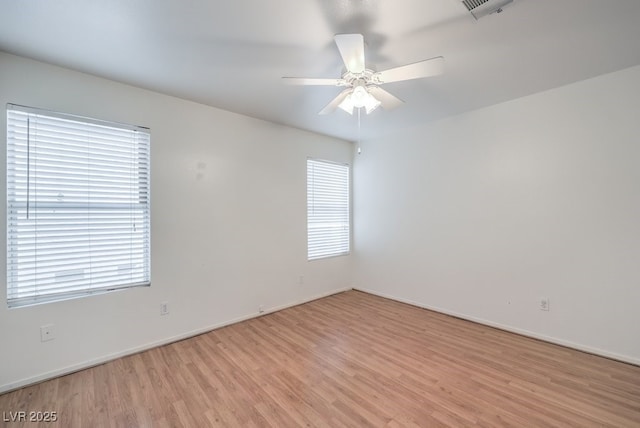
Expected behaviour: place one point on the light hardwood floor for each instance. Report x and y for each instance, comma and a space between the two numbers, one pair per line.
351, 359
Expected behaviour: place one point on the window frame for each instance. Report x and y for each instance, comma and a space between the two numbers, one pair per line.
64, 213
343, 248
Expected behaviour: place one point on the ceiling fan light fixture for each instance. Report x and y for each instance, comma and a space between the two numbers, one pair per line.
371, 103
347, 104
359, 98
362, 85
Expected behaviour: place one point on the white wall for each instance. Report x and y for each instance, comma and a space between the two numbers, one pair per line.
228, 225
482, 214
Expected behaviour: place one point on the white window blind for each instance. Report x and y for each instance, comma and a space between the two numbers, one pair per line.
78, 209
327, 209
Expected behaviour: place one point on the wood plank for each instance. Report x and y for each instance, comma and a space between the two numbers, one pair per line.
352, 359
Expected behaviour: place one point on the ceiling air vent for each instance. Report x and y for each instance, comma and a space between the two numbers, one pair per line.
480, 8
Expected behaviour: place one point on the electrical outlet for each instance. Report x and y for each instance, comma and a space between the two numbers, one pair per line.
301, 279
47, 333
544, 304
164, 308
260, 309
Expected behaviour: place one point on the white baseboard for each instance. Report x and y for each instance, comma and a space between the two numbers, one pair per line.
511, 329
110, 357
104, 359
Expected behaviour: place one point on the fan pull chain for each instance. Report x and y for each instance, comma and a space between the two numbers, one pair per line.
359, 149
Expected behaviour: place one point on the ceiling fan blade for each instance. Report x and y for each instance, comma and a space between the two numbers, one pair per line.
387, 100
351, 47
310, 81
333, 105
417, 70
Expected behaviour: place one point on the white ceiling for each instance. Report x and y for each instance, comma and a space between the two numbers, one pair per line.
231, 54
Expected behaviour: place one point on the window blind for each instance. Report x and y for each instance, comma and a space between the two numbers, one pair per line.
78, 207
327, 209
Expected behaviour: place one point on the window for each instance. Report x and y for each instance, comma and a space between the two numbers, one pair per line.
327, 209
78, 213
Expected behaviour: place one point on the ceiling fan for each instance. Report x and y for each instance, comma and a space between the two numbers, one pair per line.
363, 84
